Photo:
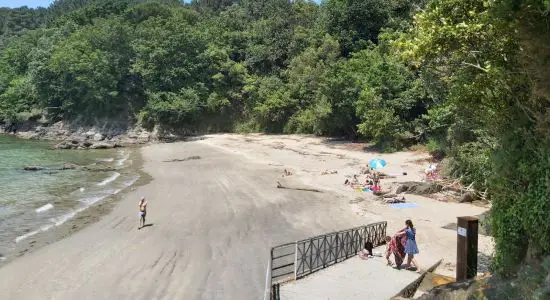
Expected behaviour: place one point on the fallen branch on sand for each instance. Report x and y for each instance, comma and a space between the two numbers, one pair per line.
183, 159
280, 186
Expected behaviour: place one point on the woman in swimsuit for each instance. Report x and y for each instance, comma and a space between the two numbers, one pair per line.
142, 212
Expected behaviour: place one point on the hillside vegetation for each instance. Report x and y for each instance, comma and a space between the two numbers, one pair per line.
465, 77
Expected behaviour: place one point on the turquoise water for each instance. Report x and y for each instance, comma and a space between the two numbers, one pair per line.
32, 202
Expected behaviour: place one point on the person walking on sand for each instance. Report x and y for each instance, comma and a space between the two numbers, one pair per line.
142, 212
410, 247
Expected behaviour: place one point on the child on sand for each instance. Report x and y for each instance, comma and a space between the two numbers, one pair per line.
411, 249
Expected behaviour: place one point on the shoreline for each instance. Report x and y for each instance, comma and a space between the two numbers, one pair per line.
81, 220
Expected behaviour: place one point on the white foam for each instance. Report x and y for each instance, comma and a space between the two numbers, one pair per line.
130, 182
46, 227
91, 200
111, 192
109, 179
87, 202
110, 159
81, 189
121, 161
64, 218
26, 235
44, 208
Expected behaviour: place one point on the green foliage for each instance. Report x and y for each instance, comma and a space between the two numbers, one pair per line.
172, 109
487, 117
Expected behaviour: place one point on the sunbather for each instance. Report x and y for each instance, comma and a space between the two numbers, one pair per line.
395, 200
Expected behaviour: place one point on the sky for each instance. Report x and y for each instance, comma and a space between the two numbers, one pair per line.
29, 3
36, 3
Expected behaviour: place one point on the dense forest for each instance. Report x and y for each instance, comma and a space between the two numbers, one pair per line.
464, 77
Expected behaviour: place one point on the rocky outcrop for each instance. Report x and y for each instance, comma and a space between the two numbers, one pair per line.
33, 168
85, 144
69, 166
103, 145
419, 188
70, 136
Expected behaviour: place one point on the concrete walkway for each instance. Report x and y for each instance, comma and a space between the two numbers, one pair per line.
349, 280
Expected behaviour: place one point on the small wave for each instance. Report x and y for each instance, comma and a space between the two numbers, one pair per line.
111, 192
26, 235
106, 159
62, 219
121, 161
44, 208
92, 200
130, 182
109, 179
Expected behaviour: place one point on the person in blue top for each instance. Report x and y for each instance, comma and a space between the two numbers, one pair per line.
410, 247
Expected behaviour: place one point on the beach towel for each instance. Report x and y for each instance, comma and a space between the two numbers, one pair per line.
397, 248
403, 205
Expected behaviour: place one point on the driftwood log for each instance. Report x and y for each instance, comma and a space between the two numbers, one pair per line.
281, 186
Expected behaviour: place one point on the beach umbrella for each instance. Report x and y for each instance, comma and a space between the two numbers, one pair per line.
377, 163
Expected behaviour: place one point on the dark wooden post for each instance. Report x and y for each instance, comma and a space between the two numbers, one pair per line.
466, 252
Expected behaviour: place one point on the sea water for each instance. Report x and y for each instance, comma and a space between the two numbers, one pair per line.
32, 202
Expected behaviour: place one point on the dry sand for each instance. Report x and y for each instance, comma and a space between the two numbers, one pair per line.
213, 220
309, 156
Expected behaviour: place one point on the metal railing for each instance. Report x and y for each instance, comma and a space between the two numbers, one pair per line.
283, 260
319, 252
294, 261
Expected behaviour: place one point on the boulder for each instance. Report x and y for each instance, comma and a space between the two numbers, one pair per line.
64, 145
102, 145
419, 188
401, 189
143, 138
467, 197
33, 168
98, 137
96, 168
69, 166
90, 134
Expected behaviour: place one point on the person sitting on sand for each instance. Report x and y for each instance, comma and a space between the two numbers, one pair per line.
142, 212
353, 183
376, 178
431, 171
366, 170
369, 183
287, 173
366, 253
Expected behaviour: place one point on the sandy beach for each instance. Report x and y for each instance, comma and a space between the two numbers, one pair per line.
214, 211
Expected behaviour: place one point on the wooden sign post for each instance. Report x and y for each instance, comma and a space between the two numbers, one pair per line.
466, 252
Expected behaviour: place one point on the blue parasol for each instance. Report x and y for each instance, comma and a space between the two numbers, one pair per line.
377, 163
